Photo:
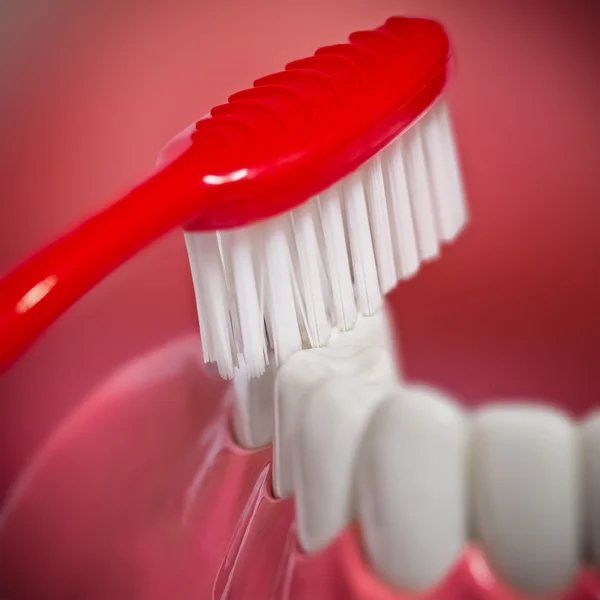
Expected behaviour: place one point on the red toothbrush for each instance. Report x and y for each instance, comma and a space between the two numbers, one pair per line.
303, 199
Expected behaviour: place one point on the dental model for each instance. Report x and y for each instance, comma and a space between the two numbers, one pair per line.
422, 478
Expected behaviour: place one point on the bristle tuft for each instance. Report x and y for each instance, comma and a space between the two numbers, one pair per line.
362, 256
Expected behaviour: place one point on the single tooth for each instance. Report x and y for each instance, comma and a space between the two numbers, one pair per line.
526, 495
590, 433
324, 448
411, 488
254, 406
299, 375
375, 330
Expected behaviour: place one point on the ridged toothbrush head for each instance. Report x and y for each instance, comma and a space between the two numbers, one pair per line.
297, 132
334, 179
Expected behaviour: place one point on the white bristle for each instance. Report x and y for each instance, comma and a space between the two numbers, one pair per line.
456, 193
381, 230
266, 290
420, 194
212, 300
238, 252
280, 280
402, 223
364, 267
337, 258
311, 274
439, 176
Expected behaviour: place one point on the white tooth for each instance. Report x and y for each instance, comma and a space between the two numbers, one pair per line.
526, 495
324, 446
411, 488
590, 432
299, 375
254, 398
375, 330
254, 406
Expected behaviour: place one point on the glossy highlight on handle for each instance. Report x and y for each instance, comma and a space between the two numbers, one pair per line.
268, 149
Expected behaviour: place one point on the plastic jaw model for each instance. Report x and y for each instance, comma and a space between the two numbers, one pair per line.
328, 478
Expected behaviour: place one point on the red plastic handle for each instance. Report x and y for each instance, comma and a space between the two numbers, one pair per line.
265, 151
37, 292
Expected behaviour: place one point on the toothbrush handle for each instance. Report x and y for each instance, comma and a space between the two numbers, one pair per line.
39, 290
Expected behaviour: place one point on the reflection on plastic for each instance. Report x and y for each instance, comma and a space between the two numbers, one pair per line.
219, 179
36, 294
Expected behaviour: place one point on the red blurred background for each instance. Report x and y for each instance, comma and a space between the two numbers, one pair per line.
91, 91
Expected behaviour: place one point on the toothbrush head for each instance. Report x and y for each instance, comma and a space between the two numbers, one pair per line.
323, 198
299, 131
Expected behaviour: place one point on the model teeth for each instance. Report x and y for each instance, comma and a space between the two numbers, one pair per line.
369, 331
254, 401
422, 477
411, 488
253, 420
527, 496
299, 376
327, 438
428, 479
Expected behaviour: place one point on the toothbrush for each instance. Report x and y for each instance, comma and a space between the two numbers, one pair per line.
303, 200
